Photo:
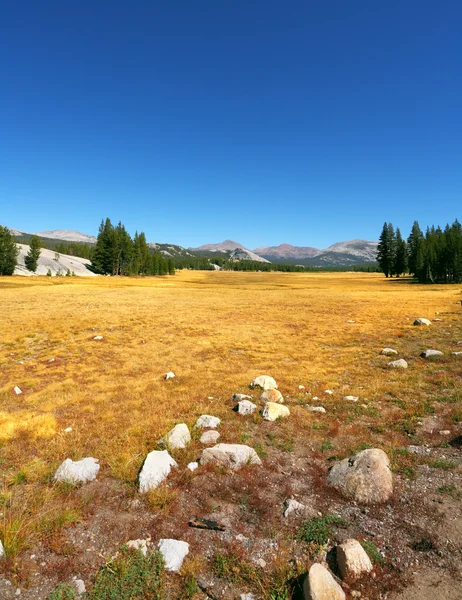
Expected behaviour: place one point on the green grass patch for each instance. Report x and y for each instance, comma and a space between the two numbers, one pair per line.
442, 463
373, 552
318, 530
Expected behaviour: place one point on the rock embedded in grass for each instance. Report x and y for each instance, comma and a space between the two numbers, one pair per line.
79, 587
245, 407
80, 471
456, 353
320, 585
207, 422
351, 398
422, 321
365, 477
272, 396
174, 553
388, 351
292, 506
352, 559
272, 411
316, 409
17, 390
430, 353
2, 550
169, 375
192, 466
240, 397
398, 364
232, 456
141, 545
178, 438
265, 382
156, 468
98, 338
209, 437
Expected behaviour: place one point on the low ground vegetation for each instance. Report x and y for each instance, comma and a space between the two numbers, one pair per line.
89, 358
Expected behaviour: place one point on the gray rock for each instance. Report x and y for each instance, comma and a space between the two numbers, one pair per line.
272, 396
174, 553
351, 398
430, 353
388, 351
320, 585
2, 550
79, 471
398, 364
232, 456
456, 353
245, 407
178, 437
207, 422
265, 382
365, 477
209, 437
421, 450
316, 409
422, 321
353, 560
272, 411
169, 375
292, 506
241, 397
192, 466
155, 470
79, 587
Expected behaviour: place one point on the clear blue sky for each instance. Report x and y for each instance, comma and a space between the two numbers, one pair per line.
265, 122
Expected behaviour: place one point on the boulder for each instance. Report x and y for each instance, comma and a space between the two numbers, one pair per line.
353, 560
456, 353
320, 585
351, 398
388, 351
272, 411
316, 409
156, 468
430, 353
192, 466
209, 437
292, 506
422, 321
79, 471
169, 375
272, 396
232, 456
240, 397
398, 364
265, 382
245, 407
365, 477
178, 437
207, 422
174, 553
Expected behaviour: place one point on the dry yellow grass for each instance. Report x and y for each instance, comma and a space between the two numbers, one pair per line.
216, 331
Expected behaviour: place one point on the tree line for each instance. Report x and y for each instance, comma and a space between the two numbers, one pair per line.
435, 257
9, 252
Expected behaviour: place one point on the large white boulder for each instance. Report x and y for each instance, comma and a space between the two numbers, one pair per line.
209, 437
79, 471
272, 411
365, 477
272, 396
155, 470
422, 321
245, 407
174, 553
169, 375
352, 559
207, 422
293, 506
178, 437
232, 456
398, 364
431, 353
265, 382
320, 585
388, 351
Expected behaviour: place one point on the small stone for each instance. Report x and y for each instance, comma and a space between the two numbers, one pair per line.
232, 456
207, 421
17, 390
265, 382
351, 321
430, 353
245, 407
320, 585
169, 375
352, 559
209, 437
79, 587
192, 466
80, 471
272, 396
388, 351
178, 438
174, 553
155, 470
456, 353
422, 321
97, 338
398, 364
248, 596
316, 409
68, 430
445, 432
292, 506
421, 450
2, 550
52, 360
328, 392
351, 398
272, 411
141, 545
315, 398
301, 387
241, 397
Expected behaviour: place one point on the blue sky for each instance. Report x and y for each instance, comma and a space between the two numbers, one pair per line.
264, 122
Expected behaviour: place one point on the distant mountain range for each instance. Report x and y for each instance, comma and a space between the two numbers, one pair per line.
346, 253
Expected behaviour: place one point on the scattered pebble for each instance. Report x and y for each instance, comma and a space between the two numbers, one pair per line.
316, 409
192, 466
207, 421
351, 398
169, 375
97, 338
17, 390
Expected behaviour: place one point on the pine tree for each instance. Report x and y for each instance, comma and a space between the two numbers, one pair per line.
31, 259
8, 252
104, 255
385, 249
414, 249
400, 255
